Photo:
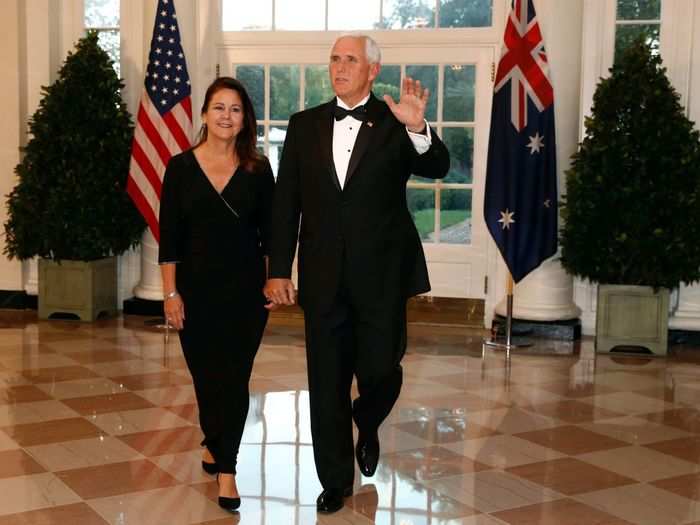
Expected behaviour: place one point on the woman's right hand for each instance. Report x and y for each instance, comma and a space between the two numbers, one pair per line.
174, 310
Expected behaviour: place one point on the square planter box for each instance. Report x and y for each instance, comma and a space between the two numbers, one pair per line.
85, 289
632, 316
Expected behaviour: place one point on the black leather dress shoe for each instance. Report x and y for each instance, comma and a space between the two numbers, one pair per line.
331, 500
367, 453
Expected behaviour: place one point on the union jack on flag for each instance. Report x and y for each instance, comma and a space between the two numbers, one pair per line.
164, 120
520, 201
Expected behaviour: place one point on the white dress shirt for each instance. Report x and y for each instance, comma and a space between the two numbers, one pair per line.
345, 134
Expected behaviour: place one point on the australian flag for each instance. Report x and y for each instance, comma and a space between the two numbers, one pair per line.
520, 202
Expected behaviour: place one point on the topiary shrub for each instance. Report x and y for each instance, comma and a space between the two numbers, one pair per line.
632, 206
70, 201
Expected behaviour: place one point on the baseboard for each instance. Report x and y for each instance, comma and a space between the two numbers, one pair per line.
683, 337
446, 311
17, 300
137, 306
569, 330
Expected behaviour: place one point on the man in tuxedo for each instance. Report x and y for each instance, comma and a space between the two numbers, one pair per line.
343, 170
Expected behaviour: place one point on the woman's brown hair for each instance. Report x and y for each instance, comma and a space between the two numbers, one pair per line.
248, 156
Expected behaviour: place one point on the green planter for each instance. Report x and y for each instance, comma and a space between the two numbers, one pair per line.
85, 289
632, 316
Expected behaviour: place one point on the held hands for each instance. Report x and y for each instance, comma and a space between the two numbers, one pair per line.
174, 310
279, 292
410, 109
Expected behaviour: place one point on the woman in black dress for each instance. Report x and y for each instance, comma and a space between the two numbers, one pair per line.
214, 220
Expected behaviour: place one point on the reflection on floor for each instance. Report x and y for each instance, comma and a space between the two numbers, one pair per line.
98, 425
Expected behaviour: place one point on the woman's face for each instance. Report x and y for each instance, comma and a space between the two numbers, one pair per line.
224, 116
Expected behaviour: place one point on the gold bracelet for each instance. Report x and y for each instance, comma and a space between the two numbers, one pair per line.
171, 295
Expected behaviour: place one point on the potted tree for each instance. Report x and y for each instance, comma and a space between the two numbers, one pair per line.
70, 206
632, 206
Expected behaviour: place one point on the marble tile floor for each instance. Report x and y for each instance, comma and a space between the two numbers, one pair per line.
98, 425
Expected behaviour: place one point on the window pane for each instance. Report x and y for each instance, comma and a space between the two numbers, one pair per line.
357, 14
388, 82
638, 9
260, 145
458, 99
465, 13
403, 14
460, 144
109, 41
421, 204
276, 138
455, 216
101, 13
284, 92
626, 34
241, 14
288, 15
253, 79
428, 76
317, 84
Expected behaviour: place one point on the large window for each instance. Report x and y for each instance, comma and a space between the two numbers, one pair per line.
103, 17
344, 15
635, 18
441, 209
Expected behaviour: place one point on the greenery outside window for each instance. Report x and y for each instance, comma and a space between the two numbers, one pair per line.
634, 18
341, 15
103, 16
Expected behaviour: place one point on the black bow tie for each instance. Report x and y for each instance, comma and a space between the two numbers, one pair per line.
359, 113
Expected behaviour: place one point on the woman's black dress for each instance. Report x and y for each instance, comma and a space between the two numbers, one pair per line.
218, 242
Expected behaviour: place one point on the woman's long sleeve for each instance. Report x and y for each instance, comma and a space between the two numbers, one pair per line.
170, 217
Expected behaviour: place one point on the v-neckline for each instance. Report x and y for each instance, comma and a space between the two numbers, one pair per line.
211, 184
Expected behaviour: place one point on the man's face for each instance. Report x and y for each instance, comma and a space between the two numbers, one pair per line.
351, 74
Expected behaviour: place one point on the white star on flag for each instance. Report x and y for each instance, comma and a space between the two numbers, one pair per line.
536, 143
506, 219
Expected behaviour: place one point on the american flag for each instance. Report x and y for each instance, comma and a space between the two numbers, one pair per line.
520, 201
164, 121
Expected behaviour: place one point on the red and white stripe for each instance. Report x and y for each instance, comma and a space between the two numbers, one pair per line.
156, 138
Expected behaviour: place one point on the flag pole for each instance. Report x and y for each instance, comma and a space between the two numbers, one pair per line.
509, 311
508, 345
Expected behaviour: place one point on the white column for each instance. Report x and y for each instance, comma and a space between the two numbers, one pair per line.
547, 294
687, 316
150, 286
544, 295
40, 21
12, 60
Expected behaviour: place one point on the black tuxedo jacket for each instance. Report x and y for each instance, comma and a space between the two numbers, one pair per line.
361, 235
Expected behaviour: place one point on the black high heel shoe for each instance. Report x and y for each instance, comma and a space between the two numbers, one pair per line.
210, 468
229, 504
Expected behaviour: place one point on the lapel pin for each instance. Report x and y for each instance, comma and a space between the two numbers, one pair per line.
370, 123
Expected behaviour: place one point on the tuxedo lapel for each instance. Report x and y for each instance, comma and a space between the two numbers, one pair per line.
365, 135
324, 127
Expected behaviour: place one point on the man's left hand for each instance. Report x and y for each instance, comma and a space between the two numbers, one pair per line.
410, 109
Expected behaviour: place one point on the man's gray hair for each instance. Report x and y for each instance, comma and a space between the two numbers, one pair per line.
372, 51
